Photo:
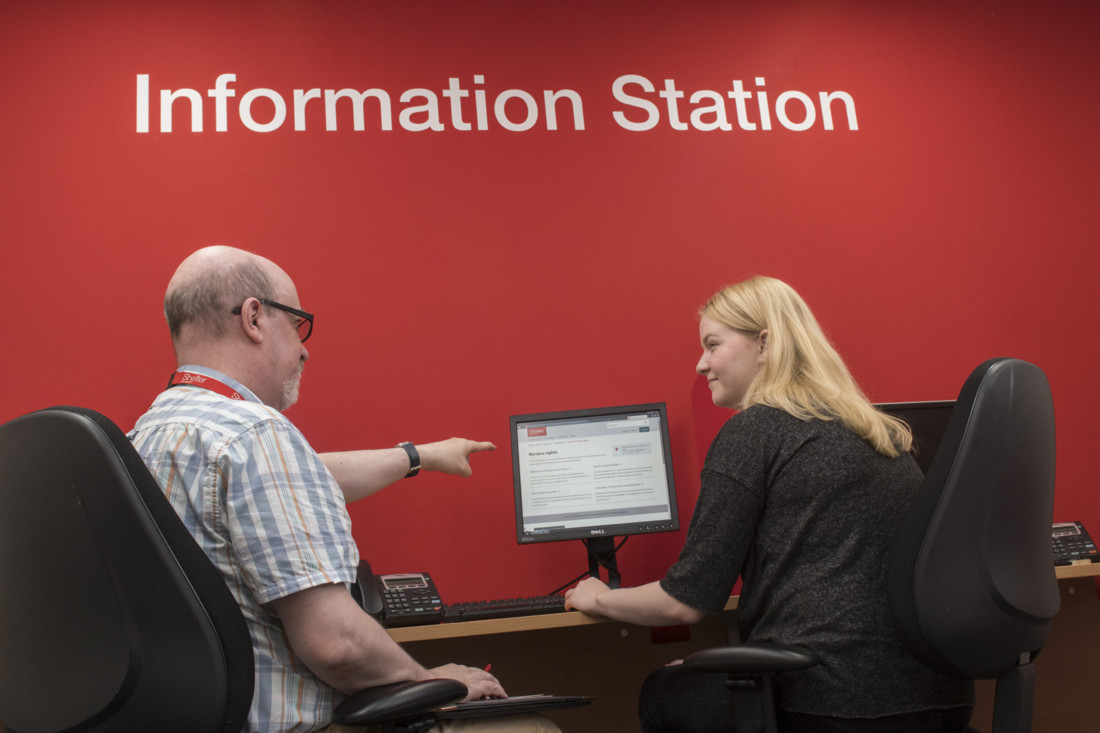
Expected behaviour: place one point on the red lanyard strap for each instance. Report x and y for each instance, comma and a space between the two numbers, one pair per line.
194, 379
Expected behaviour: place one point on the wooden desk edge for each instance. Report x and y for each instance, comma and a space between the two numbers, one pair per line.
505, 625
575, 618
1080, 569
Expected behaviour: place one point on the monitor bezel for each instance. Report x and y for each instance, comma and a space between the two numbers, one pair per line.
618, 529
920, 439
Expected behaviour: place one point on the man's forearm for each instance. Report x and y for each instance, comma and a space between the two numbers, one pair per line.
360, 473
341, 644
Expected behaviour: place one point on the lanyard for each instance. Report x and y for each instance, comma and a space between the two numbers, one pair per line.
194, 379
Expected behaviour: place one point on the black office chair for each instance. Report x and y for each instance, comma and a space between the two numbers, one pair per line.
971, 580
111, 616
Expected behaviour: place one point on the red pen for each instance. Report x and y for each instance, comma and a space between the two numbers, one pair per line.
488, 667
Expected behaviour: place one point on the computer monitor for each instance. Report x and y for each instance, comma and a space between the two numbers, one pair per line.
928, 421
593, 475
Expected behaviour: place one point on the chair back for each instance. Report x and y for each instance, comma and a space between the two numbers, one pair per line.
971, 582
111, 616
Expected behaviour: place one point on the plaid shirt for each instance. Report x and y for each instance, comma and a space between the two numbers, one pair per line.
267, 512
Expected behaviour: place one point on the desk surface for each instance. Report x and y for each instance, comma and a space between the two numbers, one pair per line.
1078, 570
505, 625
576, 618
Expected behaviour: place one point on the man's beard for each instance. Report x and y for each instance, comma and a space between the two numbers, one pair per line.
290, 387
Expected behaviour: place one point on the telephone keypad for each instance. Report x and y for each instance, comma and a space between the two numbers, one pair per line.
1072, 543
410, 599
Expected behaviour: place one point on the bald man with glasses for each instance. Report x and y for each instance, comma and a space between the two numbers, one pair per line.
269, 510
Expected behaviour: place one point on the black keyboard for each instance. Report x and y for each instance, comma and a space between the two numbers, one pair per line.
503, 608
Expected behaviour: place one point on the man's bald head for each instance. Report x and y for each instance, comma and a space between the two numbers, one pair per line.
217, 310
210, 283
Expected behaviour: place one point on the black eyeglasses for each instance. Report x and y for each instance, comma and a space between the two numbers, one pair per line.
305, 320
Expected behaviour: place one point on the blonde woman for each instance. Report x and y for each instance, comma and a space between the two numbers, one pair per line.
801, 492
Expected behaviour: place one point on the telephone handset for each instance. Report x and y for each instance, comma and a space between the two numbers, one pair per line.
406, 599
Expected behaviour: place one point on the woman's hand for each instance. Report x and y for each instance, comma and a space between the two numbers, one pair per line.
584, 596
646, 605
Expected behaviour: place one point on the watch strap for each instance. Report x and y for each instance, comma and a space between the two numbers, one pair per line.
414, 458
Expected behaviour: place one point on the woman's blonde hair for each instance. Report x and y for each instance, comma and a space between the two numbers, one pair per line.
802, 373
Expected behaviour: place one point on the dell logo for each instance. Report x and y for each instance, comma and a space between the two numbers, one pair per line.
597, 531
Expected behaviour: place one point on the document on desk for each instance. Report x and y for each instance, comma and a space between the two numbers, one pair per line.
510, 706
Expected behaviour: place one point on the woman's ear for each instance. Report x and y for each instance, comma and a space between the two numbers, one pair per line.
763, 345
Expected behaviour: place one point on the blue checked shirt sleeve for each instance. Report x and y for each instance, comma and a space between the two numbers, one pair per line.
285, 514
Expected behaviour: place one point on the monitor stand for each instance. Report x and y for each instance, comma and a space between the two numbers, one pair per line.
601, 551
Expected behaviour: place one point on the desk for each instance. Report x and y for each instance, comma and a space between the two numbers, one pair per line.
512, 625
566, 653
571, 653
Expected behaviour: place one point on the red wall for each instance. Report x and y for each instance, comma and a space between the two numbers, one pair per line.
459, 277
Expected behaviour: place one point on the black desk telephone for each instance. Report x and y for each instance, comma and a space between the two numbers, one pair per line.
1072, 544
398, 600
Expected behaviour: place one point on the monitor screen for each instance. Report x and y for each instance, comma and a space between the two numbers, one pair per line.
584, 474
928, 421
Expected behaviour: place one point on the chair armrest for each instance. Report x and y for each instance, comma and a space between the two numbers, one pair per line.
753, 657
397, 701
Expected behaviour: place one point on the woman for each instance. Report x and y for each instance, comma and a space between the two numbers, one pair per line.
801, 493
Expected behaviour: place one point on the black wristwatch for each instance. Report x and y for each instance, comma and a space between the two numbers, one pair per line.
414, 458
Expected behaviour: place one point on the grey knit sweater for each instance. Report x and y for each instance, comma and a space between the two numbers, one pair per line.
804, 512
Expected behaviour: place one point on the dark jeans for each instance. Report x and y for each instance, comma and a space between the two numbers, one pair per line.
675, 701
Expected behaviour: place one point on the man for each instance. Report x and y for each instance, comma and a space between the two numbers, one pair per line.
266, 508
